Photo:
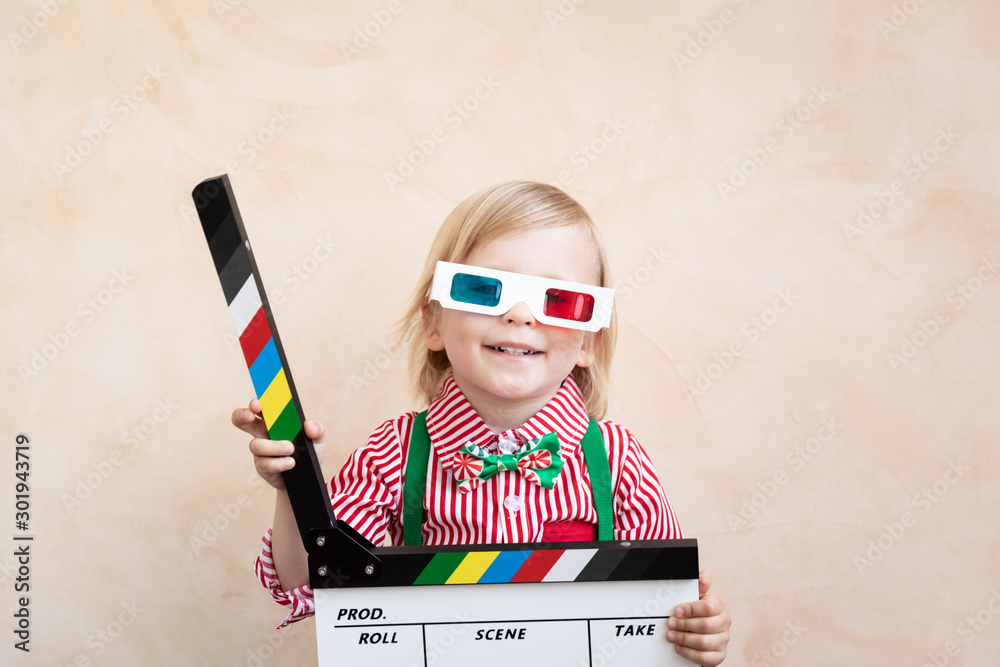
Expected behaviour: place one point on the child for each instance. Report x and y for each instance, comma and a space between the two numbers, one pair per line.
501, 368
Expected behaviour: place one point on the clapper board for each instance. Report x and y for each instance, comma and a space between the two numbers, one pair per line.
510, 605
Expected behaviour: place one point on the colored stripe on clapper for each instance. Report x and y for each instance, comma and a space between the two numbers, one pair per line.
269, 381
515, 564
503, 567
246, 308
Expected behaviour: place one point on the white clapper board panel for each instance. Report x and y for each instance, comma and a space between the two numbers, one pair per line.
584, 604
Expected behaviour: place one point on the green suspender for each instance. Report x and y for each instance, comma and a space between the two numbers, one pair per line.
594, 454
596, 457
416, 481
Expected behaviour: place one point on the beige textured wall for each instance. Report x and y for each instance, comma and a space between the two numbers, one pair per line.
801, 375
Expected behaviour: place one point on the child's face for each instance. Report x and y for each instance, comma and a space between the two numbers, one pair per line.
491, 377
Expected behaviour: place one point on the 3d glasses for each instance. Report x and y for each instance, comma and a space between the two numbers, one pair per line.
554, 302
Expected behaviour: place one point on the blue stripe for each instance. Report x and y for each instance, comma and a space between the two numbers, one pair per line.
265, 367
504, 567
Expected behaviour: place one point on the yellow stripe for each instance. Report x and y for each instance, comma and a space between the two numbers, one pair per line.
472, 567
275, 398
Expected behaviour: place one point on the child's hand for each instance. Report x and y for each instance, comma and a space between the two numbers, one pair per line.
700, 630
272, 457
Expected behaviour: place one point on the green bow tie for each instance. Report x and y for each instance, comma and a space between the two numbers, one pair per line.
541, 462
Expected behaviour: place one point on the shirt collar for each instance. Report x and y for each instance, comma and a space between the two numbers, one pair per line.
452, 421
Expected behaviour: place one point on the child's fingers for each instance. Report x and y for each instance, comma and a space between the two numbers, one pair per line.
700, 630
272, 456
315, 431
242, 417
697, 626
269, 468
693, 640
701, 649
706, 615
703, 658
270, 465
704, 583
249, 420
710, 605
264, 448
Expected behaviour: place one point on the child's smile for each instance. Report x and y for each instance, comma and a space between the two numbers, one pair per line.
510, 365
516, 351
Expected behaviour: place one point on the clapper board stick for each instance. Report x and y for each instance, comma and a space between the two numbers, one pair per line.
323, 536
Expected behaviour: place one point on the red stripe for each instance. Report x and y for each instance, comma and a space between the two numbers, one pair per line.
255, 336
537, 566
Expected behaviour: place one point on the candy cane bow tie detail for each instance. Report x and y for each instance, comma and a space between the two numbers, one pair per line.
541, 463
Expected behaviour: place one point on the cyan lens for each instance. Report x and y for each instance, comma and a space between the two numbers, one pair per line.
477, 290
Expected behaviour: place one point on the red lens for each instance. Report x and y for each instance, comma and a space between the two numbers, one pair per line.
567, 305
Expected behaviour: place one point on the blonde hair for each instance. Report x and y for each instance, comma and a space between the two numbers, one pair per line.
504, 209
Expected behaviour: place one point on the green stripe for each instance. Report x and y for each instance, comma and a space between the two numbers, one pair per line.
440, 568
287, 425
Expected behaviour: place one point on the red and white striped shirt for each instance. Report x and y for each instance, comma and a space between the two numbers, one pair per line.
507, 508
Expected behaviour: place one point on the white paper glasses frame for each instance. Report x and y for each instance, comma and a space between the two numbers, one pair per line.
517, 288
